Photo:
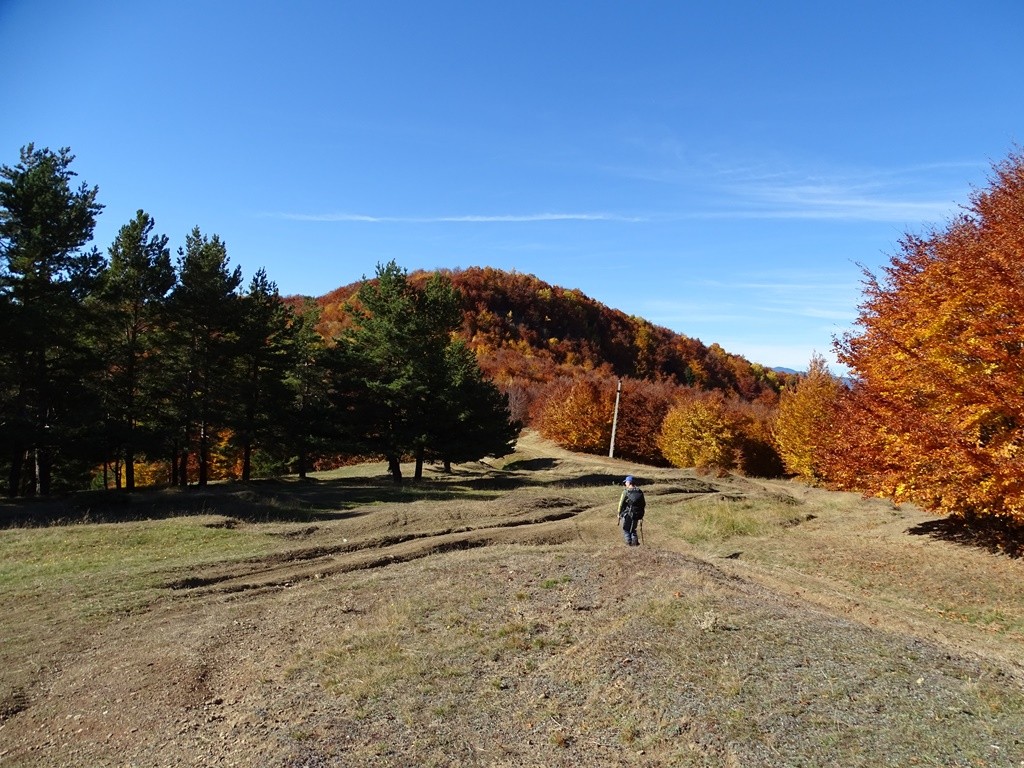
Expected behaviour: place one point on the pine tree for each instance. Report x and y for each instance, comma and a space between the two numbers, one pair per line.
45, 278
308, 424
394, 357
470, 418
134, 298
205, 320
265, 358
400, 388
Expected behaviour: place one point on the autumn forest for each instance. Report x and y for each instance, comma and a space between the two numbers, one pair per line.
128, 367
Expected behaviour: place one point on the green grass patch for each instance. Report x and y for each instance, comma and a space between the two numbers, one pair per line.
555, 582
708, 521
111, 567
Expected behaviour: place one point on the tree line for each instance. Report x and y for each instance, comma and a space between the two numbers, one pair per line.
526, 332
134, 361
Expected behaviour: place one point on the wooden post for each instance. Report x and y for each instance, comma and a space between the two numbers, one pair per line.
615, 420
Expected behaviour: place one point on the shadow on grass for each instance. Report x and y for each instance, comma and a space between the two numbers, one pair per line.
998, 535
525, 480
532, 465
592, 480
260, 501
282, 501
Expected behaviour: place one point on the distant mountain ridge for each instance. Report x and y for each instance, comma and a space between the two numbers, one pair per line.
526, 330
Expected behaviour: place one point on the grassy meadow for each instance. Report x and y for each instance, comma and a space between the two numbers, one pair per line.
493, 617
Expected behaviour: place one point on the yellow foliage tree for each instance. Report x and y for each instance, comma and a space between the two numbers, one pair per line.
699, 432
804, 419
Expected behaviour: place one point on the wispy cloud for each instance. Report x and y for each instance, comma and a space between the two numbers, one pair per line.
818, 298
929, 193
919, 194
723, 186
511, 218
835, 201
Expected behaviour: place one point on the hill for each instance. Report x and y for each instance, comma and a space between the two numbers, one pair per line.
493, 617
525, 330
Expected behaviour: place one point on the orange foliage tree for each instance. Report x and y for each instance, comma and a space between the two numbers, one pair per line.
937, 414
803, 422
577, 413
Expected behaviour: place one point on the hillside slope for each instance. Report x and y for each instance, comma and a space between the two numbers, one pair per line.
523, 328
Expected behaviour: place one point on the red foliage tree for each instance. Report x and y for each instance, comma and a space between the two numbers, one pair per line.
756, 453
642, 409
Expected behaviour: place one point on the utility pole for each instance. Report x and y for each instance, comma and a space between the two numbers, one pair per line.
615, 420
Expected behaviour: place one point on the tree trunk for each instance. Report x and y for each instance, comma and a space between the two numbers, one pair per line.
43, 463
37, 488
183, 468
246, 461
395, 468
203, 456
14, 476
419, 463
129, 469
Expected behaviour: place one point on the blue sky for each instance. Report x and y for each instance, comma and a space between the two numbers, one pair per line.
720, 169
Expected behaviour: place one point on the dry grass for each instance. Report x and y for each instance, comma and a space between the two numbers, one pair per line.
494, 618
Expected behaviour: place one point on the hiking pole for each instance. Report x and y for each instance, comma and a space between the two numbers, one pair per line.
641, 530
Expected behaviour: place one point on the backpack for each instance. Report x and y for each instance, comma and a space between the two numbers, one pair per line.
635, 503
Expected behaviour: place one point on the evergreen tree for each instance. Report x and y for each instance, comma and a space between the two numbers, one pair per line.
385, 361
400, 387
135, 295
471, 417
45, 279
206, 320
307, 420
433, 325
266, 356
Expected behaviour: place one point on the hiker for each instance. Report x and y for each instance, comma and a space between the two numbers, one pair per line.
631, 511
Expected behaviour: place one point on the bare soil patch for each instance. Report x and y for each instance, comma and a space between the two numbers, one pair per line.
493, 617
